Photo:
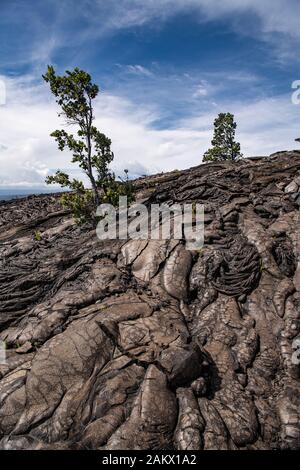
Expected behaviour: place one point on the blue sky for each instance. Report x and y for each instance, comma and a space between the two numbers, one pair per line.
166, 68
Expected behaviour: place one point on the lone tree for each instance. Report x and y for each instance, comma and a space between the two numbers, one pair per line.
91, 149
224, 146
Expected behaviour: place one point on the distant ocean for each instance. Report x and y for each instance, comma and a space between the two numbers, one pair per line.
8, 194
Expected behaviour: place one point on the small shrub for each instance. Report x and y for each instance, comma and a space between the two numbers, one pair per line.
80, 204
37, 236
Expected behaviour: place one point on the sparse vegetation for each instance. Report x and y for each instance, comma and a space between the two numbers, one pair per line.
37, 236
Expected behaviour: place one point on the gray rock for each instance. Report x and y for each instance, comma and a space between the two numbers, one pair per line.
147, 345
292, 187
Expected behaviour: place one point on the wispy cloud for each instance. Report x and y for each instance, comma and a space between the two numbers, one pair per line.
201, 90
139, 70
53, 24
276, 21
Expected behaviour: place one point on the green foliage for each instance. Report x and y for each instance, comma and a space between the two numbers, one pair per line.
113, 189
64, 181
224, 146
80, 204
79, 201
37, 236
90, 148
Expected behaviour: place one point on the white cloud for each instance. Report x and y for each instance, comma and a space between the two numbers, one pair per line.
139, 70
275, 21
201, 90
264, 126
2, 92
276, 16
27, 153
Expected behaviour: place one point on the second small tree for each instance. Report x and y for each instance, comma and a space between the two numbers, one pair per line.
224, 146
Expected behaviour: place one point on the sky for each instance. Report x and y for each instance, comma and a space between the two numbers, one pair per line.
165, 68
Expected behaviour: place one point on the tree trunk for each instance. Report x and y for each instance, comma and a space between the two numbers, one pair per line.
89, 120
